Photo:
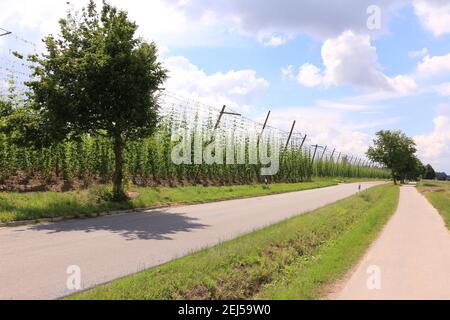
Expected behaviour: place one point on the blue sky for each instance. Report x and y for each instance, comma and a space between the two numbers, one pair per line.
314, 61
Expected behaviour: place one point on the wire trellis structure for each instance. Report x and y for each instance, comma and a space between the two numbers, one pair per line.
181, 109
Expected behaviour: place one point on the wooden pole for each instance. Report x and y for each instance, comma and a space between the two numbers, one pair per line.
265, 124
323, 154
226, 113
287, 142
4, 32
339, 157
290, 135
315, 152
303, 142
220, 117
332, 154
264, 127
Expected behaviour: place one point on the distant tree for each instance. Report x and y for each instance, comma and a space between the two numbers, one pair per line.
430, 174
396, 151
442, 176
99, 78
415, 169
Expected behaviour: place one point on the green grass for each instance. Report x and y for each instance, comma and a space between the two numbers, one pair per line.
438, 193
294, 259
39, 205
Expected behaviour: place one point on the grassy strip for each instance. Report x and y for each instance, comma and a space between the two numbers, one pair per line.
32, 206
292, 259
438, 193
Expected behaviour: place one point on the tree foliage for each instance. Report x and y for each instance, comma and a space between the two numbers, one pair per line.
430, 174
98, 78
398, 153
5, 108
442, 176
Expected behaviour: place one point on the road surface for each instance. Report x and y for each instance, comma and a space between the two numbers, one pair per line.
409, 261
34, 260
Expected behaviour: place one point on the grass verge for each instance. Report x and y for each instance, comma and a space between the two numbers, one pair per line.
293, 259
42, 205
438, 193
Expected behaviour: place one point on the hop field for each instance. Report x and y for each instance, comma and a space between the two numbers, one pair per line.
90, 160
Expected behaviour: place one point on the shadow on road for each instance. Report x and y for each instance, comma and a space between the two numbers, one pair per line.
155, 225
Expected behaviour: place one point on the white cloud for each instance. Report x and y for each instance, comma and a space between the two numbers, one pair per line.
32, 15
434, 15
433, 65
351, 59
345, 106
310, 76
326, 18
288, 72
401, 84
228, 88
443, 89
183, 74
434, 147
158, 20
376, 123
169, 25
376, 97
200, 22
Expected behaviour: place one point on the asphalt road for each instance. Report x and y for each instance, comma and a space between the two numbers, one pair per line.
409, 261
34, 260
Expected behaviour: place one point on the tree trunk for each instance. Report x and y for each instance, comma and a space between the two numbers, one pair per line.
118, 192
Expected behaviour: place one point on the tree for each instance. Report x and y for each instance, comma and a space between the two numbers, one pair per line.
442, 176
98, 78
430, 174
396, 151
414, 169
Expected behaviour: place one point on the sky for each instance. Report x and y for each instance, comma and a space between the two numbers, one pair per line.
343, 69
